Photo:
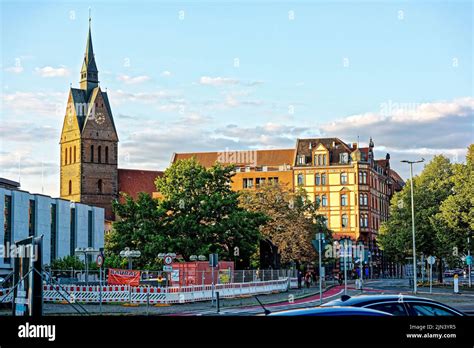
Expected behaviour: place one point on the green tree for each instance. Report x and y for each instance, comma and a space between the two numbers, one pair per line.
292, 220
203, 213
140, 226
67, 263
455, 220
431, 188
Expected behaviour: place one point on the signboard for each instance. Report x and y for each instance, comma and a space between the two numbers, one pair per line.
28, 292
213, 260
123, 277
167, 268
175, 275
469, 260
431, 260
168, 260
100, 260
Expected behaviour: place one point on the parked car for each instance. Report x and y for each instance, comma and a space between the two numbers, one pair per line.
397, 305
452, 272
331, 311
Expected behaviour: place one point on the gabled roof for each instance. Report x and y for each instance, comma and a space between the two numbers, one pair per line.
334, 145
133, 181
271, 158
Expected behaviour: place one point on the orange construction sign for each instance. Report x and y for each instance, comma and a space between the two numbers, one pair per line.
123, 277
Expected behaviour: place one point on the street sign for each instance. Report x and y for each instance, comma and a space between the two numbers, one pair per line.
100, 260
168, 260
431, 260
469, 260
213, 260
167, 268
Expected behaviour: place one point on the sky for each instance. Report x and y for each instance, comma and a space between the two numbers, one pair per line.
222, 75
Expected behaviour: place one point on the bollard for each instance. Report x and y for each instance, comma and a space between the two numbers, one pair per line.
217, 301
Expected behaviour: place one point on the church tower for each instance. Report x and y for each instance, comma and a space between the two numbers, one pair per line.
89, 151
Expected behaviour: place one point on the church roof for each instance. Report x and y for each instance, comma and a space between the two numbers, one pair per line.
134, 181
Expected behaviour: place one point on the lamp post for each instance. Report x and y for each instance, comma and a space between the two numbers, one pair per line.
130, 254
413, 219
86, 251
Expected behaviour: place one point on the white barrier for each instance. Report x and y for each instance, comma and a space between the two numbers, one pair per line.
154, 295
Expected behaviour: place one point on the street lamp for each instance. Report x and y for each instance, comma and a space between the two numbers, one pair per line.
86, 251
413, 219
130, 254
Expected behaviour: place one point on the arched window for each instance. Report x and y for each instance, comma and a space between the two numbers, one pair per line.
106, 154
343, 178
317, 200
100, 185
344, 220
364, 221
324, 161
70, 187
317, 179
92, 153
70, 155
74, 154
323, 179
99, 154
65, 156
300, 179
344, 199
324, 201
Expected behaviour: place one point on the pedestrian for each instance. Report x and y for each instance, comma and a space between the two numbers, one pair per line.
300, 279
340, 278
308, 279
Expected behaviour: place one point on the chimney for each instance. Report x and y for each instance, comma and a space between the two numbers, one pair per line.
354, 145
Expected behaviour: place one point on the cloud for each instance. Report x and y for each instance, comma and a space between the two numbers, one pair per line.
119, 96
129, 80
217, 81
48, 104
166, 73
49, 71
25, 131
15, 69
226, 81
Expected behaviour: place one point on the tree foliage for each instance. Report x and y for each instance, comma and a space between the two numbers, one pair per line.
443, 198
292, 220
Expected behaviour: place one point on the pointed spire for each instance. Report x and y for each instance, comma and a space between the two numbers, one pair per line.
89, 72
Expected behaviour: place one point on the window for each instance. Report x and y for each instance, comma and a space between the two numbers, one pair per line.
65, 156
325, 221
344, 221
395, 308
259, 181
362, 177
31, 218
248, 183
364, 220
323, 179
300, 160
344, 158
317, 179
363, 200
7, 225
324, 201
70, 187
324, 160
320, 160
100, 186
74, 154
273, 180
343, 178
344, 199
70, 155
72, 231
317, 200
99, 154
92, 153
106, 154
53, 232
300, 179
90, 229
428, 309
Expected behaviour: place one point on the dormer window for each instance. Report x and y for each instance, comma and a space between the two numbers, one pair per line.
301, 160
344, 158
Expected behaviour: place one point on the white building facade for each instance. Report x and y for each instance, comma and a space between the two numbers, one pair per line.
65, 225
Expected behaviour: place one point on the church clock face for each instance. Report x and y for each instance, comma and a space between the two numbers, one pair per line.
99, 118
